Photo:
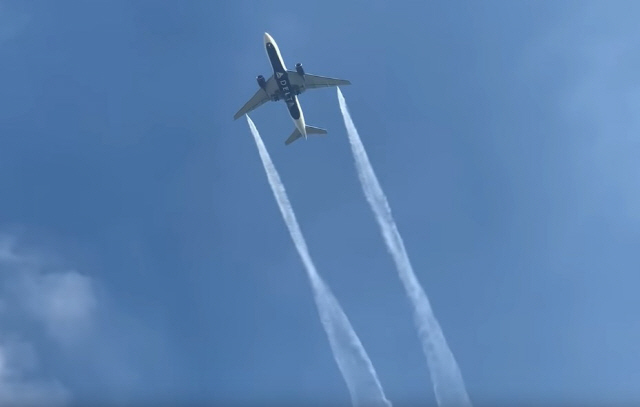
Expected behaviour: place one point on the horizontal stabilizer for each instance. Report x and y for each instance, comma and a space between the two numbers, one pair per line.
310, 131
315, 130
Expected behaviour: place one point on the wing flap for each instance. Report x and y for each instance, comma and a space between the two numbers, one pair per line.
316, 81
309, 81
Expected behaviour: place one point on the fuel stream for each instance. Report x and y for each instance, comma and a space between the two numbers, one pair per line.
446, 378
352, 359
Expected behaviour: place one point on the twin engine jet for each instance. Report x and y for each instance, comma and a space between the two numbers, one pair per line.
287, 85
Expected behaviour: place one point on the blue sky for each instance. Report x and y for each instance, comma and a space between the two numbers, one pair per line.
143, 257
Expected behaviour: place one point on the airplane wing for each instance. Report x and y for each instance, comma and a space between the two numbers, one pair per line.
314, 81
260, 97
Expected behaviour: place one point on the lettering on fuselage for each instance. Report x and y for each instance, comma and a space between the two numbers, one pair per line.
284, 85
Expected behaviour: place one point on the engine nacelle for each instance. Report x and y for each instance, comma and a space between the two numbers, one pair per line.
261, 81
299, 69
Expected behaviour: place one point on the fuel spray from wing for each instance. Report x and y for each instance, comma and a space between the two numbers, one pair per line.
352, 359
447, 380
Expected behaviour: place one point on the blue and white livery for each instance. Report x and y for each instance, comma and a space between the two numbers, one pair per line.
287, 85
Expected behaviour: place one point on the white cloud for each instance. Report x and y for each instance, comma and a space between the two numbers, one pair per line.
40, 310
64, 302
60, 301
18, 386
62, 338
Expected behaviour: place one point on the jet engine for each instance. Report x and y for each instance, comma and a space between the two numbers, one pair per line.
299, 69
261, 82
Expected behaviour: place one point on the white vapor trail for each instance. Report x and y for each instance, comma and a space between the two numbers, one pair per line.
351, 357
447, 380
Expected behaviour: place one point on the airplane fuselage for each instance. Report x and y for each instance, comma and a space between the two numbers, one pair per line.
282, 79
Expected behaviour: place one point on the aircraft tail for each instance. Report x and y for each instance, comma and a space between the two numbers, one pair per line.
310, 131
315, 130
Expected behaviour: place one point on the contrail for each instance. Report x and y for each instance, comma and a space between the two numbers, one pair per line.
447, 380
351, 357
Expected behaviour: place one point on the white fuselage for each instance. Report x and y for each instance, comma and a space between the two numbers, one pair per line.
282, 79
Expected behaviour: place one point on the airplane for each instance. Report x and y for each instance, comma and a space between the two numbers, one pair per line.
287, 85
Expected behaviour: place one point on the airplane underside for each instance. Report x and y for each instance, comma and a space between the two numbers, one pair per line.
286, 85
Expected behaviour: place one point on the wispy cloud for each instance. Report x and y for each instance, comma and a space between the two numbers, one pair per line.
18, 386
64, 302
28, 296
61, 337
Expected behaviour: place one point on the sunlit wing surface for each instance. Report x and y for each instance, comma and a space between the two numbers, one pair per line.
309, 81
261, 96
